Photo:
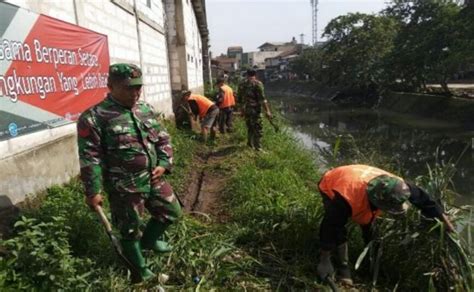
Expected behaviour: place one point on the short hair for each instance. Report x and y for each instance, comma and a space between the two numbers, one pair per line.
251, 72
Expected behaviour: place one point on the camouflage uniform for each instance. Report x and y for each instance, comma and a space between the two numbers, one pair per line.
118, 149
251, 94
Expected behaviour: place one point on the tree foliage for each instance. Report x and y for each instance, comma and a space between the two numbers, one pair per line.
405, 46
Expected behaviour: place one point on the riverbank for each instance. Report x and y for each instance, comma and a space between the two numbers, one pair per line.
452, 109
259, 232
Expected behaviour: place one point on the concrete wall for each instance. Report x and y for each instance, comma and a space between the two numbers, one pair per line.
193, 48
35, 161
185, 47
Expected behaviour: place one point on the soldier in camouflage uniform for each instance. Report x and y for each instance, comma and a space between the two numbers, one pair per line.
124, 152
251, 94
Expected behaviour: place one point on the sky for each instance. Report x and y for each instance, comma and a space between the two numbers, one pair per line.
251, 23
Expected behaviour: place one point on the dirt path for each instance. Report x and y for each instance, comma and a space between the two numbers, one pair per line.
206, 183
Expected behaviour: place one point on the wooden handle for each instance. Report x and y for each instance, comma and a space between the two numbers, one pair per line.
103, 218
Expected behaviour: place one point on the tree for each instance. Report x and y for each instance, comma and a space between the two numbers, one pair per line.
425, 47
308, 63
357, 45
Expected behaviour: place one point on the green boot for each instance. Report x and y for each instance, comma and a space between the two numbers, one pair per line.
131, 250
153, 237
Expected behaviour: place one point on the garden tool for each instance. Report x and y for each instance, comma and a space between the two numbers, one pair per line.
132, 251
274, 125
135, 273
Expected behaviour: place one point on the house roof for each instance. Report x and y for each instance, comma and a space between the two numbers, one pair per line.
223, 60
272, 44
286, 54
235, 48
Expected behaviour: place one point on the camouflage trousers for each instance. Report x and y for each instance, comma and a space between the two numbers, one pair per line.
128, 209
253, 120
225, 120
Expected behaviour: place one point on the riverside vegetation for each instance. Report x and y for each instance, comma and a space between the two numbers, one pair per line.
269, 239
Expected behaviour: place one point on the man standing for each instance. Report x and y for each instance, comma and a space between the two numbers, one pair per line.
251, 93
124, 152
362, 192
226, 103
205, 109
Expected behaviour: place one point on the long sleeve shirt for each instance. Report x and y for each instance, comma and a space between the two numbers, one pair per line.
338, 211
119, 147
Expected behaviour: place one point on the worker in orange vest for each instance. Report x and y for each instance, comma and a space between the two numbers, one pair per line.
205, 109
362, 192
226, 103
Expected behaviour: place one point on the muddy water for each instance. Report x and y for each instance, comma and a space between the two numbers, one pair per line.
409, 142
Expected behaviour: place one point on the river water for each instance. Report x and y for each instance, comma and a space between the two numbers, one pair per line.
406, 142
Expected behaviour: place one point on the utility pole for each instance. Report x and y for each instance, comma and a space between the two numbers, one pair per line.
314, 6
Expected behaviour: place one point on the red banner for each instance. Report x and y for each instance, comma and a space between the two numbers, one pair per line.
50, 71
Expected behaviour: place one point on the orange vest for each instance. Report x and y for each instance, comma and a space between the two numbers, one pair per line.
203, 103
229, 99
351, 182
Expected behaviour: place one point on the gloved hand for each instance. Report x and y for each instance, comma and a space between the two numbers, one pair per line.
95, 200
325, 267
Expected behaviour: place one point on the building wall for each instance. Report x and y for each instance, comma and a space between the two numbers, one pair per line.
258, 58
185, 47
193, 48
33, 162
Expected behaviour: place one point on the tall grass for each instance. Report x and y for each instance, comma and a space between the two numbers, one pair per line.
413, 253
268, 242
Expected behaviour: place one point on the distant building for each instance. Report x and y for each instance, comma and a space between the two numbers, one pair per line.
235, 52
267, 50
223, 65
257, 59
278, 67
232, 52
278, 46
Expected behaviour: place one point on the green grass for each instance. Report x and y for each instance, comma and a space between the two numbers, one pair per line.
270, 241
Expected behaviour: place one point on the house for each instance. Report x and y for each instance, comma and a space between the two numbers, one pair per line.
278, 46
267, 50
236, 52
223, 65
278, 65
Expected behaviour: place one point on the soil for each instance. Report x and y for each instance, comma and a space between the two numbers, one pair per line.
206, 184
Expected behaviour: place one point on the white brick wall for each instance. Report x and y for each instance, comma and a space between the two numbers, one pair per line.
193, 47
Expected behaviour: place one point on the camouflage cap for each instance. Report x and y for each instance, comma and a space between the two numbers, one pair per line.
185, 93
127, 71
387, 193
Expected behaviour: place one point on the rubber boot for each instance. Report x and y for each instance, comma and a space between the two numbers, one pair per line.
153, 237
131, 250
343, 271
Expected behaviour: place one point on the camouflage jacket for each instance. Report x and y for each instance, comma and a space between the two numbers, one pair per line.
251, 93
119, 147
